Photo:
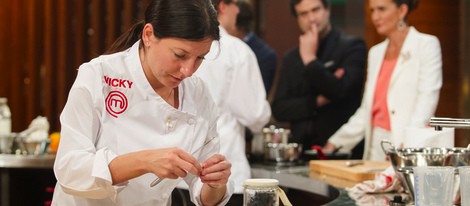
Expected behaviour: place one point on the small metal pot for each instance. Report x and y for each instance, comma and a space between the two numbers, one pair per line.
6, 143
282, 152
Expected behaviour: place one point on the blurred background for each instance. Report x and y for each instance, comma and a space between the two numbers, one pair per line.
43, 43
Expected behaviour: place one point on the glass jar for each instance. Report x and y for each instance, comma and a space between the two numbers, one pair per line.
260, 192
5, 117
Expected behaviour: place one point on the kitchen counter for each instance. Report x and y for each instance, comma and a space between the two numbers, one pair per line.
25, 175
324, 190
26, 161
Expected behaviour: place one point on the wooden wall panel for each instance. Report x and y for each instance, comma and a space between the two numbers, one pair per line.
43, 44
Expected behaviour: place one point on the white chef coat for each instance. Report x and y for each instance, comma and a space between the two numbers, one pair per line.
113, 110
233, 77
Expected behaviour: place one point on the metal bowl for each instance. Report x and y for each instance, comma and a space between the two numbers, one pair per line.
34, 147
405, 159
282, 152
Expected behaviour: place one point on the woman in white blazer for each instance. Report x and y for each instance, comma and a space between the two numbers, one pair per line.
415, 79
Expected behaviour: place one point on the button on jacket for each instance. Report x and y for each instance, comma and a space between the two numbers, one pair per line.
113, 110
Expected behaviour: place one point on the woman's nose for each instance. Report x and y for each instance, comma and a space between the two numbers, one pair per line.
188, 69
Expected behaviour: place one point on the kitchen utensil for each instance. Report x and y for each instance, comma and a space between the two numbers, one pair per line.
32, 147
464, 174
405, 159
6, 143
353, 163
282, 152
313, 155
433, 185
158, 180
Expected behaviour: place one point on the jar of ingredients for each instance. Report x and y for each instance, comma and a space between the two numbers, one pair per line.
5, 117
260, 192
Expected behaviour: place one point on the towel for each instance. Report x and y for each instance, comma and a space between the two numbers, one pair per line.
385, 181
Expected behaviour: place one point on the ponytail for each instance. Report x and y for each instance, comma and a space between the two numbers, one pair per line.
127, 39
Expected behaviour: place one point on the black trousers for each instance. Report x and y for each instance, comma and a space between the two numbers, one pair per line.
180, 197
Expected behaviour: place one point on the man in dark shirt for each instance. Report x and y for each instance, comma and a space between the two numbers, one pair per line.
321, 80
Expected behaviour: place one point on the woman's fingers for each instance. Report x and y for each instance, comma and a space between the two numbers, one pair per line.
216, 170
173, 163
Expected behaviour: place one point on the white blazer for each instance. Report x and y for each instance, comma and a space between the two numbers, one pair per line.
412, 95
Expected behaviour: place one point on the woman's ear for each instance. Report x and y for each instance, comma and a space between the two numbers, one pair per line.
147, 34
403, 11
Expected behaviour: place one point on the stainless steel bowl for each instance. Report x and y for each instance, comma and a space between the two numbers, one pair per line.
282, 152
404, 159
34, 147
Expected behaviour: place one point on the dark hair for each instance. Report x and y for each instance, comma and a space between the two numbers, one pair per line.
186, 19
245, 17
216, 2
326, 4
412, 4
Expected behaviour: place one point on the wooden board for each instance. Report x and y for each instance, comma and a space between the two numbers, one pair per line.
357, 173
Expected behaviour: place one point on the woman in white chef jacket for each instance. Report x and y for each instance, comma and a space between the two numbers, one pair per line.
137, 114
404, 78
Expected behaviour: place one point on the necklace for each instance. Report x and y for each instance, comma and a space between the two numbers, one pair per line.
169, 95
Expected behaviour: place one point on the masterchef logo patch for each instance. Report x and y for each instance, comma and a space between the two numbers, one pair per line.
116, 102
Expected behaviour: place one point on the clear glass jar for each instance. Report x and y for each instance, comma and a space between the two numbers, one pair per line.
260, 192
5, 117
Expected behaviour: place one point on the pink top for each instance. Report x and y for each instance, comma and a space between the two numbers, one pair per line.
380, 117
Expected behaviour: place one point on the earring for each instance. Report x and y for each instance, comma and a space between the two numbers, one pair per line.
401, 25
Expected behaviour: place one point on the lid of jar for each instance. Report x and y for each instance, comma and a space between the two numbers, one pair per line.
3, 100
261, 182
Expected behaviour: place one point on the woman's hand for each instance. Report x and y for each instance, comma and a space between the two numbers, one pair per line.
216, 171
215, 174
172, 163
329, 147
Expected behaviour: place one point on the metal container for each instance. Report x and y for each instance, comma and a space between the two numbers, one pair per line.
404, 159
6, 143
282, 152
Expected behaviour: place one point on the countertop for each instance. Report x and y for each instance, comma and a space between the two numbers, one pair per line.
299, 177
26, 161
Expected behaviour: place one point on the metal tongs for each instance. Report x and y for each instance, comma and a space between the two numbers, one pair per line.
158, 179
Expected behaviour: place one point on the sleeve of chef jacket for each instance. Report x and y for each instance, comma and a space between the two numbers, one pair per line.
213, 147
80, 169
195, 184
247, 96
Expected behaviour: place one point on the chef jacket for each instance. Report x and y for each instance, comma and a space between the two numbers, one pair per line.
113, 110
233, 77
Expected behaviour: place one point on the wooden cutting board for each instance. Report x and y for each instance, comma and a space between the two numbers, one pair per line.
358, 173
